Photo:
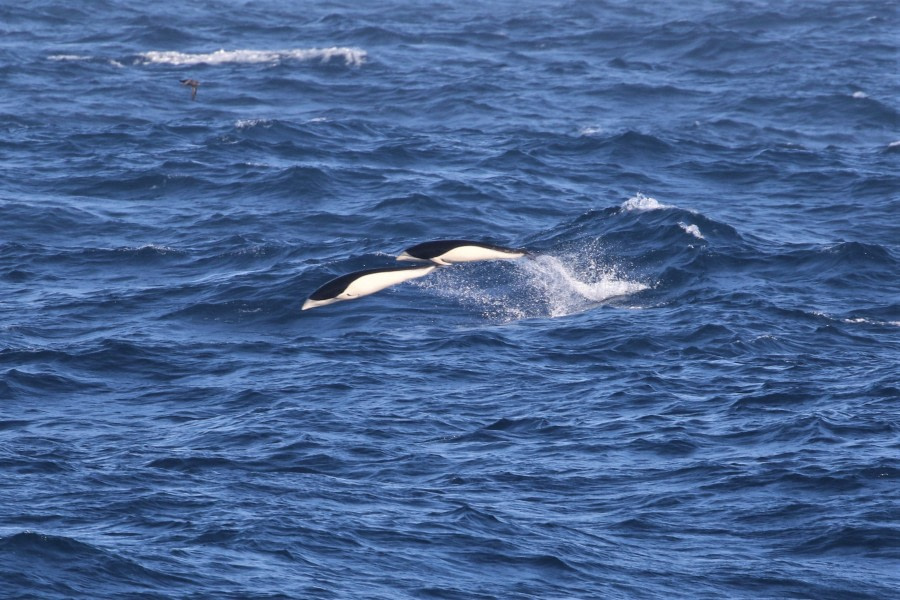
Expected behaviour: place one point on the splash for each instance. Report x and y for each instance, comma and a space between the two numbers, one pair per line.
546, 286
352, 57
641, 202
567, 287
691, 229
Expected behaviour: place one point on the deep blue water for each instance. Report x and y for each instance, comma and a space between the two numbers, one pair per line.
691, 392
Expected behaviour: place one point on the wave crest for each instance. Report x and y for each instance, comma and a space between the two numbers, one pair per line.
640, 202
691, 229
352, 57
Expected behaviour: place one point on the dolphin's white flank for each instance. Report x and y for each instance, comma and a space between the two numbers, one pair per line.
363, 283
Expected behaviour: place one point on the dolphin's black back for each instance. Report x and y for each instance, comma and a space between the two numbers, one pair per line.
428, 250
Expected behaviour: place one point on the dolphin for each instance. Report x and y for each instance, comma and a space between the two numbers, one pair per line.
362, 283
449, 252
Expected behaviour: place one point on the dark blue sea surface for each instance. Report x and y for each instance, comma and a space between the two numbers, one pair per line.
692, 390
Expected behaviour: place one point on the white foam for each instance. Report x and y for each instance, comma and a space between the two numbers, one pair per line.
894, 144
68, 57
82, 58
568, 288
856, 320
860, 95
863, 320
640, 202
692, 229
546, 286
250, 123
590, 131
351, 56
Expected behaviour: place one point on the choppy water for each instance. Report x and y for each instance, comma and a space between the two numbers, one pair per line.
692, 391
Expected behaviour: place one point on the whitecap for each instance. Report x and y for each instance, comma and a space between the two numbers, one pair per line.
83, 58
590, 131
641, 202
249, 123
147, 249
859, 94
865, 321
68, 57
351, 56
691, 229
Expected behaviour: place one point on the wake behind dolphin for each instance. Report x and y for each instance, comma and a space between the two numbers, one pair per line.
548, 286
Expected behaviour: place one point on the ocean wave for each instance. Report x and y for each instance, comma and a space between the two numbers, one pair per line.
691, 229
68, 57
590, 130
25, 383
61, 566
640, 202
871, 540
352, 57
844, 261
242, 124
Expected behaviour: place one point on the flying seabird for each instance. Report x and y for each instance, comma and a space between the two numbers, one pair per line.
194, 84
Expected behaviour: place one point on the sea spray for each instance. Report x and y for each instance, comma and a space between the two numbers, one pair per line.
573, 284
548, 285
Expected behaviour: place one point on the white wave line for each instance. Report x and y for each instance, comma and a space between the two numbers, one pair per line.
62, 57
691, 229
351, 56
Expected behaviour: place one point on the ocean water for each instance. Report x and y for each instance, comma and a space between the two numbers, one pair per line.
691, 391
